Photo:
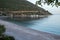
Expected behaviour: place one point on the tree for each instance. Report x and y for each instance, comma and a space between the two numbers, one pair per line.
49, 2
2, 29
3, 36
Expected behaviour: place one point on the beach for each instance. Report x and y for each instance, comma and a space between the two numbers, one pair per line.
23, 33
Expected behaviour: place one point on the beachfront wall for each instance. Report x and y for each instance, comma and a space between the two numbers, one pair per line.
20, 13
23, 13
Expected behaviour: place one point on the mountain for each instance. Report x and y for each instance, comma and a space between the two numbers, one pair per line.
20, 5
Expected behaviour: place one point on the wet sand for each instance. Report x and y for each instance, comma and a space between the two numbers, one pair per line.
23, 33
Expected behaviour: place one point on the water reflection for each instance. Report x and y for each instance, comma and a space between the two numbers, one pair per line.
49, 24
23, 18
23, 21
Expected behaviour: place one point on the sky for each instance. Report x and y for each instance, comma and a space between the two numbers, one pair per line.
33, 1
53, 10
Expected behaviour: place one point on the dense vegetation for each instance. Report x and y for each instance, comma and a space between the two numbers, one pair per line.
17, 5
3, 36
20, 5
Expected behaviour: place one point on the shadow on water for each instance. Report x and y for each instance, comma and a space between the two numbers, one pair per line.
23, 21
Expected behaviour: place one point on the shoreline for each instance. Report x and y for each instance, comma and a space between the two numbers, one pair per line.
23, 33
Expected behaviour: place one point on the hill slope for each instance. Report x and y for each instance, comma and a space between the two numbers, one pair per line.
22, 5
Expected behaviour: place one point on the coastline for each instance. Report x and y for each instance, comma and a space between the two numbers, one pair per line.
22, 33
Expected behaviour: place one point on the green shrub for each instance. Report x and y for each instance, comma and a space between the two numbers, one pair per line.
7, 38
3, 36
2, 29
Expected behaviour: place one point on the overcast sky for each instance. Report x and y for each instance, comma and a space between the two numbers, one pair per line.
33, 1
53, 10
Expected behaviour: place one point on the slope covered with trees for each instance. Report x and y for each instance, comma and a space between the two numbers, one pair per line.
19, 5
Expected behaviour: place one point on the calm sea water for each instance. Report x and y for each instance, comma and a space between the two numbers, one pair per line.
50, 24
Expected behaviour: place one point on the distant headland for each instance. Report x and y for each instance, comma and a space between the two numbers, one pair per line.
20, 7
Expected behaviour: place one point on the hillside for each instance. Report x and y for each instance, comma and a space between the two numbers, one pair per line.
20, 5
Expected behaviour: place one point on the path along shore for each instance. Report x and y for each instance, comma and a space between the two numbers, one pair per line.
23, 33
